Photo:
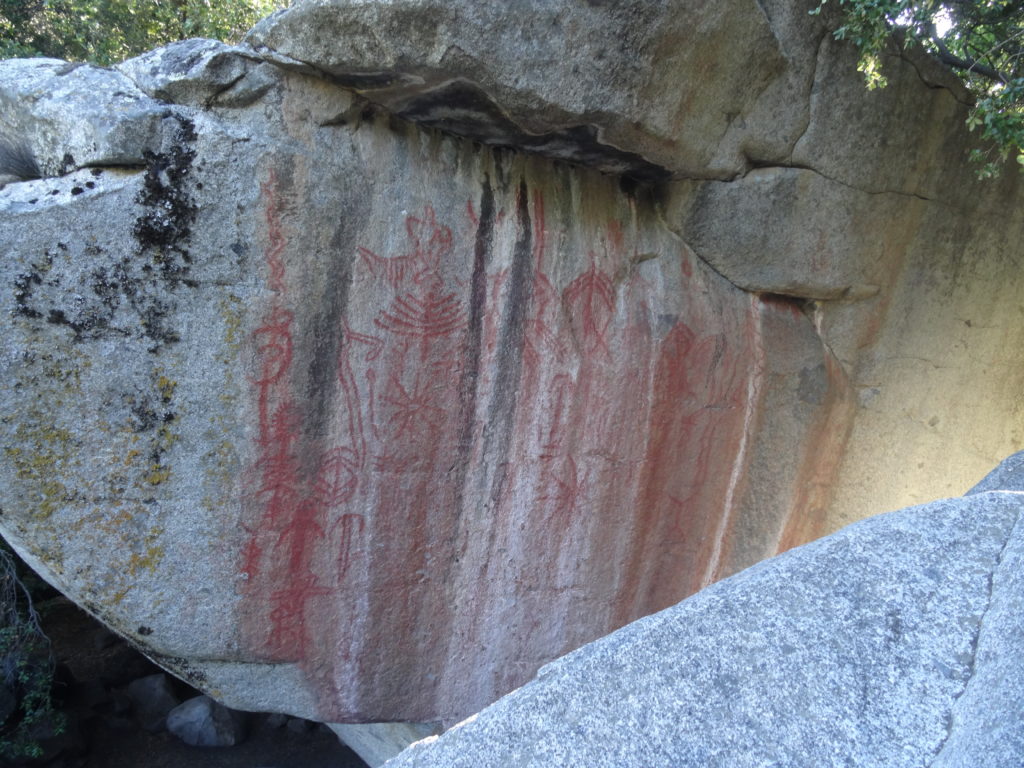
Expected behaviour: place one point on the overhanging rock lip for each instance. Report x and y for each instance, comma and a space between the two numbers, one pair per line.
462, 107
401, 55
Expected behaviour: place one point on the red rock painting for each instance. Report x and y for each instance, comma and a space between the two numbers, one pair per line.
499, 438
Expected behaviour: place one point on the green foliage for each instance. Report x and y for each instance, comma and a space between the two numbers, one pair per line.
26, 667
108, 31
982, 40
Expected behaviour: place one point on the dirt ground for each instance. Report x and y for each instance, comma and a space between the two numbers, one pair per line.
96, 666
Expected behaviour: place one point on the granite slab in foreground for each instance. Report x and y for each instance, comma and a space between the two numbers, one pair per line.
894, 642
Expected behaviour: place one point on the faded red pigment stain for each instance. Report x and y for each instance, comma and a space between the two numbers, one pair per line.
619, 432
822, 456
591, 432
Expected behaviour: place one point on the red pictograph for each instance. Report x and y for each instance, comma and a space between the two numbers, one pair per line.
422, 306
299, 533
338, 478
393, 270
298, 483
590, 303
431, 244
290, 637
275, 236
350, 337
347, 533
274, 346
423, 316
277, 466
587, 412
413, 407
551, 442
568, 485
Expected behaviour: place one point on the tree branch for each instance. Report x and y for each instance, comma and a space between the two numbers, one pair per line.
950, 59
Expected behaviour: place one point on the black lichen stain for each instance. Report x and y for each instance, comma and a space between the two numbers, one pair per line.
146, 413
144, 417
91, 317
144, 631
23, 287
162, 232
134, 294
169, 210
183, 668
26, 283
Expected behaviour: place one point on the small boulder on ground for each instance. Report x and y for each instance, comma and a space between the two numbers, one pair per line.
202, 722
153, 697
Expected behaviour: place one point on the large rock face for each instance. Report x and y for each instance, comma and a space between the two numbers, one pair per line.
343, 414
894, 642
376, 411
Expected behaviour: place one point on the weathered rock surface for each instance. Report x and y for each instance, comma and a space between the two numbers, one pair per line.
339, 414
803, 183
376, 743
894, 642
201, 73
75, 115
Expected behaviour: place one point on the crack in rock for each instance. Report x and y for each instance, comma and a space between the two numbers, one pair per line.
976, 639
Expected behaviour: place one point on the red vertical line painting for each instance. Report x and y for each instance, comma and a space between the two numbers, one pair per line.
287, 560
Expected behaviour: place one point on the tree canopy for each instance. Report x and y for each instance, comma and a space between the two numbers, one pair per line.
108, 31
981, 40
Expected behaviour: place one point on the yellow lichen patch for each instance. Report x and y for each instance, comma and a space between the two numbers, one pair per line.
158, 471
221, 464
231, 311
40, 456
222, 467
147, 561
42, 451
166, 387
166, 438
57, 371
120, 530
157, 474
